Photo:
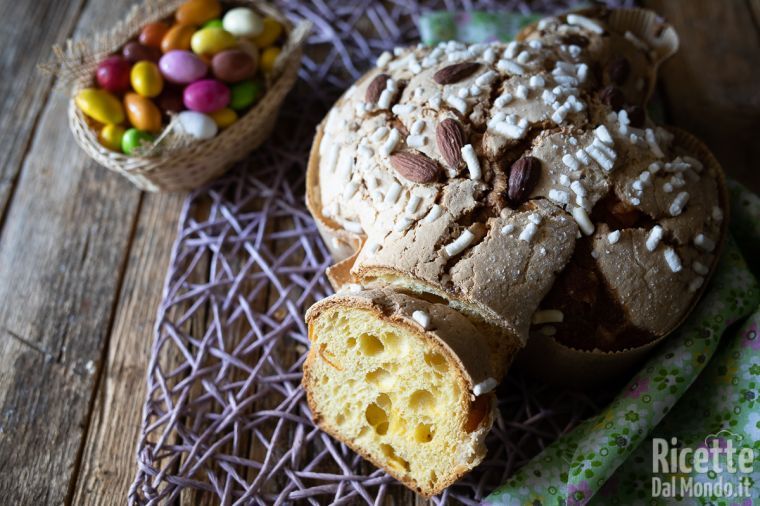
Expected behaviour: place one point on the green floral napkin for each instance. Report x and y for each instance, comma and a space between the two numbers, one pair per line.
697, 397
721, 407
471, 27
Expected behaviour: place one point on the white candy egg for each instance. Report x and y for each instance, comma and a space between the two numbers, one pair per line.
242, 22
196, 124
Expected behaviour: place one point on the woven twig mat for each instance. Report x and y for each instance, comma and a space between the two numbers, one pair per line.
224, 410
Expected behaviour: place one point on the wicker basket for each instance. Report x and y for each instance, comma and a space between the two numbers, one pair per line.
174, 162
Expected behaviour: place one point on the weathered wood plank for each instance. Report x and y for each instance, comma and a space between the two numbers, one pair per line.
711, 84
63, 250
37, 452
61, 256
108, 465
30, 28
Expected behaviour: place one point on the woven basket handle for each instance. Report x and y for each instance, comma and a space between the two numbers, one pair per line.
295, 41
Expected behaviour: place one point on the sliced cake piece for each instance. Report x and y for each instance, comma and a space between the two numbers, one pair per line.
404, 382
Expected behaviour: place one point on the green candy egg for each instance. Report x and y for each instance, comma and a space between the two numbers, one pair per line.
214, 23
245, 93
133, 138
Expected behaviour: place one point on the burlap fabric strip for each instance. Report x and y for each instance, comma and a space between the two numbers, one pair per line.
174, 162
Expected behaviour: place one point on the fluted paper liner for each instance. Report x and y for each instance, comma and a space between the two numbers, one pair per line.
657, 33
339, 274
174, 162
646, 25
341, 243
547, 359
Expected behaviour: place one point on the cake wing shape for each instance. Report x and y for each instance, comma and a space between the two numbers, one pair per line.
393, 377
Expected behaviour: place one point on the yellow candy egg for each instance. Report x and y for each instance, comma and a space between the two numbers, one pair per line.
146, 79
212, 40
270, 32
268, 58
100, 105
224, 117
110, 136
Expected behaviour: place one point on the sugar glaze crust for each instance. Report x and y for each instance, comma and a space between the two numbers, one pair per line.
611, 185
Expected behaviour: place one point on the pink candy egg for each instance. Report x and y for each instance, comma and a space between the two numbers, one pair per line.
206, 96
113, 74
182, 67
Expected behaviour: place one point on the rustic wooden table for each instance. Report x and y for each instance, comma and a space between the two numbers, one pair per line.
83, 254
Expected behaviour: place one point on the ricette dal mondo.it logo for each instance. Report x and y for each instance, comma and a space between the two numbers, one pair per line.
718, 468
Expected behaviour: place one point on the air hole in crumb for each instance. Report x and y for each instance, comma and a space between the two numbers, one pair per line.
421, 400
340, 419
377, 418
376, 414
433, 478
394, 461
384, 401
436, 361
351, 342
390, 366
423, 433
398, 424
370, 345
392, 341
380, 377
325, 379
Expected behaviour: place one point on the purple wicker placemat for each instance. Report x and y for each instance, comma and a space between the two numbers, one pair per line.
224, 410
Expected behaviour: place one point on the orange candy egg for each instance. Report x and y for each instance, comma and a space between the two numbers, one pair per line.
178, 37
197, 12
142, 113
153, 33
